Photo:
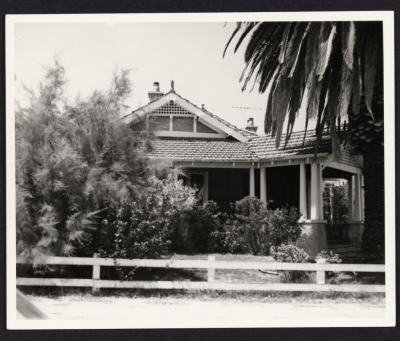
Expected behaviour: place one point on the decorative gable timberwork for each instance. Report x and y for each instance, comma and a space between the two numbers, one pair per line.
172, 120
173, 116
171, 108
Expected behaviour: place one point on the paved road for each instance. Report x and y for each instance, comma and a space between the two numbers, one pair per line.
167, 312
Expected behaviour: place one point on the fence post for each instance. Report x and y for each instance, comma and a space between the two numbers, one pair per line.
321, 274
211, 270
95, 276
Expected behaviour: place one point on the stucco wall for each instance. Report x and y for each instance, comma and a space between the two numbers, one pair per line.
201, 128
313, 238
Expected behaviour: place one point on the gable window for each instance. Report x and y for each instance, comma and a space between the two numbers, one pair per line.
182, 124
159, 123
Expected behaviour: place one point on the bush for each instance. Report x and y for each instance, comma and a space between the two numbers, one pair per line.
328, 257
192, 228
289, 253
336, 204
331, 258
283, 226
254, 228
229, 239
141, 227
140, 231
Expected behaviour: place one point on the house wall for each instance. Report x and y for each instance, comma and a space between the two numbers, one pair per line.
201, 128
313, 238
348, 158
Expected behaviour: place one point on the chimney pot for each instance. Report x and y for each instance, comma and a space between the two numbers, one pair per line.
155, 93
250, 125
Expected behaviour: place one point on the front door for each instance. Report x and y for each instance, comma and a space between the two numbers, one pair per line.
199, 181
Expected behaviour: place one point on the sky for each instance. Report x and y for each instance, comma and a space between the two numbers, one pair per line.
191, 54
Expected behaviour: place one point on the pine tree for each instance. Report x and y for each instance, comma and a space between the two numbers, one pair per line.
75, 164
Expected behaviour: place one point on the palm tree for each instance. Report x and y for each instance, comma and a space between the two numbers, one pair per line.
334, 70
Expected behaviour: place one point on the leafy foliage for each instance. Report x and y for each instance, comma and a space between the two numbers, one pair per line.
336, 210
290, 253
75, 163
192, 229
254, 228
328, 257
331, 258
140, 231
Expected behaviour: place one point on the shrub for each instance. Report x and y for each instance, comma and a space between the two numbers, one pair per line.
331, 258
328, 257
283, 226
289, 253
336, 211
229, 239
250, 216
192, 228
140, 231
140, 227
254, 228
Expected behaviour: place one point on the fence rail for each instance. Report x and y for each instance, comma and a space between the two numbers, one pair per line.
210, 265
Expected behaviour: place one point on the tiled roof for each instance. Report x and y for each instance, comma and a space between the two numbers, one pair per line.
190, 149
265, 146
258, 148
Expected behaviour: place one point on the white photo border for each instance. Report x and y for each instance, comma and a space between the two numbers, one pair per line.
387, 17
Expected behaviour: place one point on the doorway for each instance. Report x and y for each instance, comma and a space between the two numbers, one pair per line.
199, 181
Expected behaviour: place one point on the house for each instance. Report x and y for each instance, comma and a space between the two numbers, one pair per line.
227, 163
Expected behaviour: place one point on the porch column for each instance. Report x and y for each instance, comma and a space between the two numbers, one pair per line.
303, 190
350, 197
263, 185
315, 192
357, 197
252, 187
320, 192
205, 197
362, 198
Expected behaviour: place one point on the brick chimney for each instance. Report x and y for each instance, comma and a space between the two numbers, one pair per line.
155, 93
250, 125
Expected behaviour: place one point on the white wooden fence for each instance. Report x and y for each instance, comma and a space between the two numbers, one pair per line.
210, 265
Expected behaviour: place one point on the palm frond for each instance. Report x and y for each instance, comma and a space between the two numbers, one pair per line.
371, 56
327, 66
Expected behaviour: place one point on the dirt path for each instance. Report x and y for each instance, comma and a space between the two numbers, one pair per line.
161, 311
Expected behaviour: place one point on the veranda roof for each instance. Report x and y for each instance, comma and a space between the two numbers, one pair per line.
256, 149
265, 146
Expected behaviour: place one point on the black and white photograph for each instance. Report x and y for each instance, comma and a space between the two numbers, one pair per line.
200, 170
